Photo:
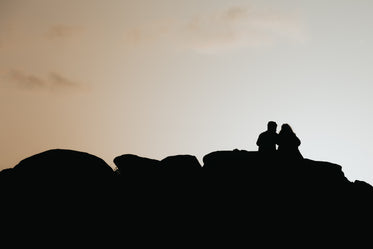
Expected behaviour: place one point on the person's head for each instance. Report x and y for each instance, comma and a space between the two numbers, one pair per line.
285, 128
272, 126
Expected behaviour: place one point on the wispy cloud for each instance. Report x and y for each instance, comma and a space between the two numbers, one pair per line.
152, 32
23, 80
231, 28
53, 81
240, 27
17, 35
59, 81
61, 31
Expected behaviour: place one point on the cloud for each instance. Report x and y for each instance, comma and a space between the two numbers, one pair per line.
21, 80
152, 32
61, 31
18, 36
231, 28
59, 81
26, 81
240, 27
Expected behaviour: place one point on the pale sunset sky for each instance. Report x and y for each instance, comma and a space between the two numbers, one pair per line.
167, 77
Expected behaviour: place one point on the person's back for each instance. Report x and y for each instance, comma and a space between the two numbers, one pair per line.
288, 142
267, 140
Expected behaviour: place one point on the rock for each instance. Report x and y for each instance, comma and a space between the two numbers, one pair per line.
140, 180
181, 164
133, 164
63, 165
65, 181
61, 174
361, 191
229, 161
363, 186
235, 192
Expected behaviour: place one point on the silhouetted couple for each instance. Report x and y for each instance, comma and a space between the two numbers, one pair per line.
286, 139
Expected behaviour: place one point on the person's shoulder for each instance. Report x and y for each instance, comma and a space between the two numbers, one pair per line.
263, 133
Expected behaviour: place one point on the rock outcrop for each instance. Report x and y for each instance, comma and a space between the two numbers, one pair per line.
240, 171
66, 176
231, 195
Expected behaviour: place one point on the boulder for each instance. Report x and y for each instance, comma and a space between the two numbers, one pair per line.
229, 160
133, 164
63, 169
181, 164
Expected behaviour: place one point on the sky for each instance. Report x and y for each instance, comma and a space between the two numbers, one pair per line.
160, 78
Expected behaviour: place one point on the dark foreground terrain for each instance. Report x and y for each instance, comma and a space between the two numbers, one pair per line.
235, 198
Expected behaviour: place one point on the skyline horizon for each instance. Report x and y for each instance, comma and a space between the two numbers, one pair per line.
199, 158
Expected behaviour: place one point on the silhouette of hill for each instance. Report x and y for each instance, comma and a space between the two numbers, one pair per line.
231, 193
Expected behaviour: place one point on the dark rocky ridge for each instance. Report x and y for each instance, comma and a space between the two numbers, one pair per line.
231, 189
238, 169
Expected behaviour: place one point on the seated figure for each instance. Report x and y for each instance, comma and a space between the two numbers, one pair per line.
268, 139
288, 143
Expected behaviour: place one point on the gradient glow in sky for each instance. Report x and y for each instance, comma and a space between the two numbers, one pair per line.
160, 78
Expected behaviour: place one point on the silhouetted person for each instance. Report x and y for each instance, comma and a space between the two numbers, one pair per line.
267, 140
288, 143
